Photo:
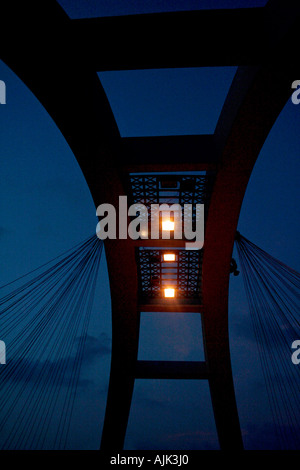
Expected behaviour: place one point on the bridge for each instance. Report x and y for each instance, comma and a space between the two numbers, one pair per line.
213, 170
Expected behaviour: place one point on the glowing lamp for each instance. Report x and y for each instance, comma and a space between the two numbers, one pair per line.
169, 292
168, 225
169, 257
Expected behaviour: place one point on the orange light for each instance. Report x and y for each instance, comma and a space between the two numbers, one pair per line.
169, 257
168, 225
169, 292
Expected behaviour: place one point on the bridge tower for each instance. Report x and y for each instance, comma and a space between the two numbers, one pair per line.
61, 70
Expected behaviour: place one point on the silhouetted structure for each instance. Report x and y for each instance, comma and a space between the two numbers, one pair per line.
58, 59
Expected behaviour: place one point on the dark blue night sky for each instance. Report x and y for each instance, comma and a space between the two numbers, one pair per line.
46, 208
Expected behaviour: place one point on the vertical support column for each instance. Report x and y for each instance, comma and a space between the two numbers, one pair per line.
125, 339
119, 398
249, 125
221, 386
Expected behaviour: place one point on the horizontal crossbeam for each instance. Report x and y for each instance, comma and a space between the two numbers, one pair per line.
184, 150
171, 370
173, 39
170, 305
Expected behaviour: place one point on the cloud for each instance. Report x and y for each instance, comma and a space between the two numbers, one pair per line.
56, 372
3, 230
194, 440
190, 440
149, 402
260, 436
96, 347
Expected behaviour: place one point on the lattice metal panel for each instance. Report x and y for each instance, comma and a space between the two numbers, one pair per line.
183, 274
144, 189
171, 189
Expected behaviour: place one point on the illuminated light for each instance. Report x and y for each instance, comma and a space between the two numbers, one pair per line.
169, 292
168, 225
144, 233
169, 257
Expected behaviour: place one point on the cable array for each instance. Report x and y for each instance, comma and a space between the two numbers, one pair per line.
273, 293
44, 319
